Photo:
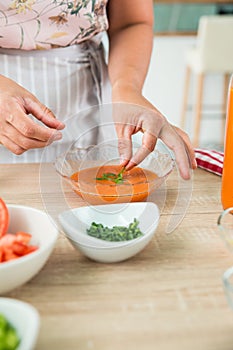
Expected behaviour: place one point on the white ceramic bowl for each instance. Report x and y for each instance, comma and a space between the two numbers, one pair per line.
24, 318
44, 233
75, 222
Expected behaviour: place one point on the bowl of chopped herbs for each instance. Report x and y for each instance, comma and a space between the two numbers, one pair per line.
110, 233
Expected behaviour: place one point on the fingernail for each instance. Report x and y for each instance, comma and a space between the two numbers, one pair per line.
194, 164
129, 166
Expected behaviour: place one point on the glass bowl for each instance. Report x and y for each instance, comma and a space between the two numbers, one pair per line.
85, 170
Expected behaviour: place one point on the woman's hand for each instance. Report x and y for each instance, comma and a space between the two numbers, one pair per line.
18, 132
134, 113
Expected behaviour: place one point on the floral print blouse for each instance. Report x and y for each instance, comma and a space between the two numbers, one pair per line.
46, 24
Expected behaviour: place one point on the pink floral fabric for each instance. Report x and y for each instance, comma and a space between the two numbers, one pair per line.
46, 24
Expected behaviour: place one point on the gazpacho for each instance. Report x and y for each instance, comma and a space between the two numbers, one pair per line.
112, 183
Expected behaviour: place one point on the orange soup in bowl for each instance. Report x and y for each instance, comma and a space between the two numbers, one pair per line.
110, 183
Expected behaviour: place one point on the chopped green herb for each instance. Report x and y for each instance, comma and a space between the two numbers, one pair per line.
117, 178
116, 233
9, 339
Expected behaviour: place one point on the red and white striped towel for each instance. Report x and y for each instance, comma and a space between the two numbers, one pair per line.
209, 160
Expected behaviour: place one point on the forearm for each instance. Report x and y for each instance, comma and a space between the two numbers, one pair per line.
130, 44
129, 56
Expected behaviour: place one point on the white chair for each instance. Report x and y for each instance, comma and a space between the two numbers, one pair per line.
213, 54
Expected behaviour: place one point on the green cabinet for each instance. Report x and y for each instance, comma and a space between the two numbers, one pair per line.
184, 18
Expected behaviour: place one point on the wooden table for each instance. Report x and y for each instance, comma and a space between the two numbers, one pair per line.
170, 296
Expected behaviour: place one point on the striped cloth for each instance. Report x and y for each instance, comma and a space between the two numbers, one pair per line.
210, 160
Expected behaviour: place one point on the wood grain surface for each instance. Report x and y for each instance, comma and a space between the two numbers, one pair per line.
168, 297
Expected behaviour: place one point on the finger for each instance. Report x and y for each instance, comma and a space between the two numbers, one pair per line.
30, 129
124, 133
43, 113
11, 146
148, 145
191, 154
125, 150
189, 147
182, 160
138, 157
176, 144
23, 142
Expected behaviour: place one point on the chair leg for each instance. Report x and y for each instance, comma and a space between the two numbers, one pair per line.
224, 104
185, 98
197, 124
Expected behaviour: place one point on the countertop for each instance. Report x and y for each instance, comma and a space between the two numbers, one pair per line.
169, 296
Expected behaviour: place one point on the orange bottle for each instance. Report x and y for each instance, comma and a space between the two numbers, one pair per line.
227, 176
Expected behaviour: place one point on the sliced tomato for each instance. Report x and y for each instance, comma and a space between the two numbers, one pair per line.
23, 237
9, 255
12, 246
4, 218
31, 248
7, 240
19, 248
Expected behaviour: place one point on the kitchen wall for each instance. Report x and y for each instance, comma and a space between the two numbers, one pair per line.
165, 82
175, 27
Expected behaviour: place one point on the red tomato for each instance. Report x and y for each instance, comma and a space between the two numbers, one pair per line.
9, 255
4, 218
19, 248
7, 240
31, 248
12, 246
23, 237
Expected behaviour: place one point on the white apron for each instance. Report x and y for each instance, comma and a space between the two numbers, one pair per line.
67, 80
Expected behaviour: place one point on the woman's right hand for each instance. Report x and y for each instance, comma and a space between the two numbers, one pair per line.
18, 132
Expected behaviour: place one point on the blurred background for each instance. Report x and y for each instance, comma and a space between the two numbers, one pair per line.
175, 32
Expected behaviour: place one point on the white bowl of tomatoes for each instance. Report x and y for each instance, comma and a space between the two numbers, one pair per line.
27, 238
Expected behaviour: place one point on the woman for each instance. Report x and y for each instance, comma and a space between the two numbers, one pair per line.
52, 64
